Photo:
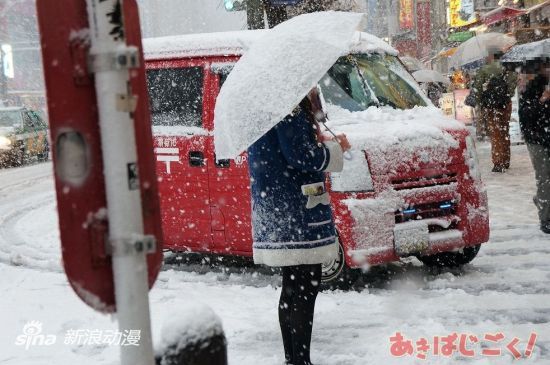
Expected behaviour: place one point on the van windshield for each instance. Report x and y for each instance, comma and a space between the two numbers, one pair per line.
357, 82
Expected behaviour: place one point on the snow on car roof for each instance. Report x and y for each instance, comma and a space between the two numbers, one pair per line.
11, 108
236, 43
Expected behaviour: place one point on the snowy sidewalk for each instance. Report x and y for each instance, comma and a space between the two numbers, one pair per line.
505, 290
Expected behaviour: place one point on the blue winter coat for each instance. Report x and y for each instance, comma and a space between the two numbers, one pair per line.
291, 213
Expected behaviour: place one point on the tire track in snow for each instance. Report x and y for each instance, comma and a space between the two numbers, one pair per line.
19, 251
26, 195
14, 179
6, 190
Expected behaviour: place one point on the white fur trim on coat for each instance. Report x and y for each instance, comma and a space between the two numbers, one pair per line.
336, 162
293, 257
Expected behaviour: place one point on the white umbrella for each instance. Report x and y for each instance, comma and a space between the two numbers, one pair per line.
430, 76
476, 49
276, 73
412, 64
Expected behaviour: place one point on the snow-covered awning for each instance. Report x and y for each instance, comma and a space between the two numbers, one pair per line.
538, 7
500, 14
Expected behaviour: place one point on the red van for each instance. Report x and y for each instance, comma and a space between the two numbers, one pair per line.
413, 187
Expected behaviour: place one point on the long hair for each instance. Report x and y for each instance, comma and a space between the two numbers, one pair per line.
311, 104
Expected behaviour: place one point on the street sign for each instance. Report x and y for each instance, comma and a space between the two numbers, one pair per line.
77, 149
460, 36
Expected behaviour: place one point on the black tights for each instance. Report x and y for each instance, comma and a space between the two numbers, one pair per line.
296, 307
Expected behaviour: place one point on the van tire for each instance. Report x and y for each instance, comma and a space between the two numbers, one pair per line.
337, 275
45, 155
19, 157
451, 259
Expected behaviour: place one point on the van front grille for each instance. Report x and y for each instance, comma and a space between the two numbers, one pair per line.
444, 209
424, 181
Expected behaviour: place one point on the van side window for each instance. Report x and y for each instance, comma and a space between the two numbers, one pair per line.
223, 77
175, 96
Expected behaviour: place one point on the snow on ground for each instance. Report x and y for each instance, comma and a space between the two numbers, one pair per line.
504, 290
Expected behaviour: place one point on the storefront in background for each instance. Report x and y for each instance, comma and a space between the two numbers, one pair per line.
452, 104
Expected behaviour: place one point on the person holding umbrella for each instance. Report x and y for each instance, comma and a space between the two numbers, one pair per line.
269, 106
493, 88
292, 217
534, 119
533, 59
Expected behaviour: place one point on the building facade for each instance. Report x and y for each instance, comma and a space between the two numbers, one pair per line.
21, 76
408, 25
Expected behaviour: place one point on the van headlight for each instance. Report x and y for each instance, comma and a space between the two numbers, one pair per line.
5, 143
355, 177
471, 158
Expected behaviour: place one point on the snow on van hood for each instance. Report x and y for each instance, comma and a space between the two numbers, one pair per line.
389, 135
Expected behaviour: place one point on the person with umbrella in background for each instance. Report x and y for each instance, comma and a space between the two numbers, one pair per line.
534, 119
493, 88
533, 59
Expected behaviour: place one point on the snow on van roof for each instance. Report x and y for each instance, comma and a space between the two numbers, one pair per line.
11, 108
202, 44
236, 43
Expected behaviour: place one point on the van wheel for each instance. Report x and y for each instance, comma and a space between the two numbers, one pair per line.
336, 274
19, 157
44, 156
451, 259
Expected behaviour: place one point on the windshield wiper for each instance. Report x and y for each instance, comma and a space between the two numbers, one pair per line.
375, 101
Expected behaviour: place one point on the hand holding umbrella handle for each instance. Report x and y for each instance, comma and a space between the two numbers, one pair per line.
342, 140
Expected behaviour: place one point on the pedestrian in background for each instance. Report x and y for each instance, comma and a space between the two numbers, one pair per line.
494, 87
292, 219
534, 119
471, 101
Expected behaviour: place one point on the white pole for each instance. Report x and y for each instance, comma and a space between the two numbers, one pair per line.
119, 157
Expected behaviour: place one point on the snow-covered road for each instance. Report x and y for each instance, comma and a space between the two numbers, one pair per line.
505, 290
